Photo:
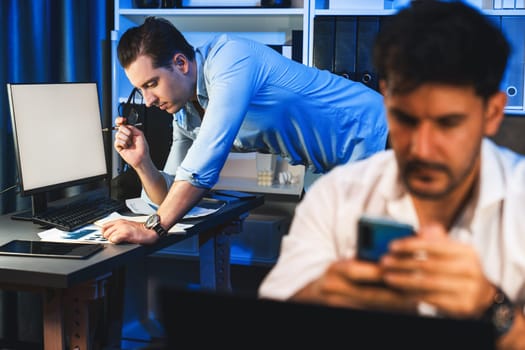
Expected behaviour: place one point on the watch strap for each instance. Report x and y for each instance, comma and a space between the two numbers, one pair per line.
161, 232
153, 223
500, 313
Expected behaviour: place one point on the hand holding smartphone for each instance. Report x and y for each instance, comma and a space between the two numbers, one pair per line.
375, 233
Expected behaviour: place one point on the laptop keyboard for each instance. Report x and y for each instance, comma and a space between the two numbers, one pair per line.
73, 216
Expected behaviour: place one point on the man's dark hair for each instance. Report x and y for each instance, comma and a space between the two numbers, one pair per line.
157, 38
441, 42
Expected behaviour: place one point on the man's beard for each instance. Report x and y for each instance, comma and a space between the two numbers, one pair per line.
418, 165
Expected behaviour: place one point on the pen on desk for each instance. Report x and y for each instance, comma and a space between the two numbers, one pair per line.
116, 127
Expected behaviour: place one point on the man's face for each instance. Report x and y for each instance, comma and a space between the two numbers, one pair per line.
169, 88
436, 133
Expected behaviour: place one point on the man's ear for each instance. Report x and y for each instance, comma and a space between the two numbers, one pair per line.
180, 62
495, 112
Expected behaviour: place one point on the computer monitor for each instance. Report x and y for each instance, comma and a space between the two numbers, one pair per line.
58, 138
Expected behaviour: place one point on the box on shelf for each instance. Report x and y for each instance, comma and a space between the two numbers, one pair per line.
215, 3
356, 4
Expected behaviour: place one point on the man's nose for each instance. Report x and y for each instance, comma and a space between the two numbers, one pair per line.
149, 98
422, 140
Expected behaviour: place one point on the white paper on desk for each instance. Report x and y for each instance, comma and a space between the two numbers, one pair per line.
93, 234
177, 228
139, 206
86, 234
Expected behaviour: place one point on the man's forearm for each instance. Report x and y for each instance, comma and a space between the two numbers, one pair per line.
181, 197
152, 182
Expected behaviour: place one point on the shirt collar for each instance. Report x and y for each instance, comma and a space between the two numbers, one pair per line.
492, 186
202, 92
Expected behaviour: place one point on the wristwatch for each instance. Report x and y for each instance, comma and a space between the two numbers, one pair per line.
500, 313
153, 223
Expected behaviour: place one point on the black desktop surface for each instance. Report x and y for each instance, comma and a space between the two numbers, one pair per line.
192, 318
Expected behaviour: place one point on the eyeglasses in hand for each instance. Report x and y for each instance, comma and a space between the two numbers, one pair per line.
129, 111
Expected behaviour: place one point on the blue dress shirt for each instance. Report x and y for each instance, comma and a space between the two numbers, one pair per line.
258, 100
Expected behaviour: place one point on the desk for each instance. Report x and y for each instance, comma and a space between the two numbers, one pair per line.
71, 289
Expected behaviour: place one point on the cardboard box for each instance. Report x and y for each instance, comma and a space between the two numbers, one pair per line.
356, 4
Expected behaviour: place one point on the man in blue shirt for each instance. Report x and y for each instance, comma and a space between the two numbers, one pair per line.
234, 94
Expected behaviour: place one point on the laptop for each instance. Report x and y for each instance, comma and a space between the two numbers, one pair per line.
192, 318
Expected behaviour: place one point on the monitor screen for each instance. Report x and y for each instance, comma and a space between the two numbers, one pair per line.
58, 135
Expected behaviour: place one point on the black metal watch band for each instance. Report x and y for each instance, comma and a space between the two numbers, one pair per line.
160, 230
153, 223
500, 313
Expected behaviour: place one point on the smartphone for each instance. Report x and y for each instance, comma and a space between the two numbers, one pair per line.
374, 233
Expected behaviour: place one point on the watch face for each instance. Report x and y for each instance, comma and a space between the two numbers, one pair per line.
152, 221
503, 317
501, 313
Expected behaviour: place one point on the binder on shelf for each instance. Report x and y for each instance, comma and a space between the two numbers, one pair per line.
297, 45
324, 42
514, 27
367, 29
345, 46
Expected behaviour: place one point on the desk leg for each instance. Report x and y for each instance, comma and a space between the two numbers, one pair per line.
215, 262
78, 318
83, 306
214, 255
53, 319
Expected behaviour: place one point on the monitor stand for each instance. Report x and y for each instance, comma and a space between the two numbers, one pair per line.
38, 205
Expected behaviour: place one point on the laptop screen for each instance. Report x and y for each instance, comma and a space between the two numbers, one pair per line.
189, 317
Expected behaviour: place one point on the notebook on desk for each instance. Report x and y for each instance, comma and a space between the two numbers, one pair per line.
189, 316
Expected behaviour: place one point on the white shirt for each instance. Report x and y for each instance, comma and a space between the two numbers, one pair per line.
324, 226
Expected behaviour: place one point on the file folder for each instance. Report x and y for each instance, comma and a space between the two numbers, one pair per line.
514, 27
345, 46
367, 29
324, 42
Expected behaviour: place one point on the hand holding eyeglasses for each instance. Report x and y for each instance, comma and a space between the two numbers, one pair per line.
133, 116
130, 120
